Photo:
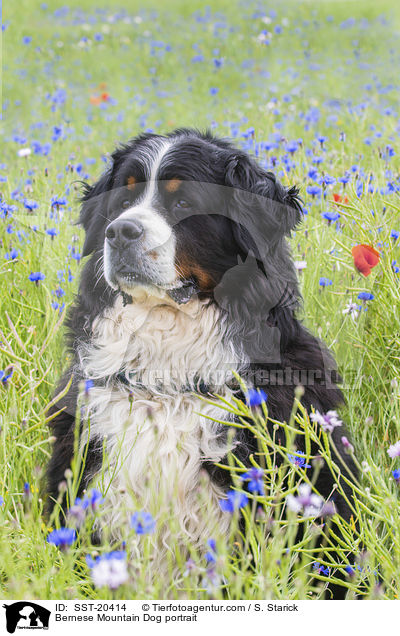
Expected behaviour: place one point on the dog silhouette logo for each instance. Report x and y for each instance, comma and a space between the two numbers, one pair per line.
26, 615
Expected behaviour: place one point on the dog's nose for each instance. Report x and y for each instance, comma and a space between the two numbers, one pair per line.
121, 232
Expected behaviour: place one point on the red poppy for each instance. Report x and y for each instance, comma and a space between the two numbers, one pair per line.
339, 199
365, 258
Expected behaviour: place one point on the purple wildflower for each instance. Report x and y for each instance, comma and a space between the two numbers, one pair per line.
394, 450
307, 502
327, 421
349, 448
109, 570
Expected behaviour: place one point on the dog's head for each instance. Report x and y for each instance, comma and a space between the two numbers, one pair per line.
188, 213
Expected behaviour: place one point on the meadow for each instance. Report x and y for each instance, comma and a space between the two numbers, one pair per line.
312, 90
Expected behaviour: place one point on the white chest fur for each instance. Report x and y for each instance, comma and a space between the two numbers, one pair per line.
158, 435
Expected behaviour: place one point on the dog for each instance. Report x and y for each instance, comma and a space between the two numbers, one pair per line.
190, 282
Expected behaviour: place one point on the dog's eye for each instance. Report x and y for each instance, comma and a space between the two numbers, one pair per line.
182, 203
125, 204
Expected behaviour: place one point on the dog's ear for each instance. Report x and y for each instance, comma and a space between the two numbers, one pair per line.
93, 211
266, 210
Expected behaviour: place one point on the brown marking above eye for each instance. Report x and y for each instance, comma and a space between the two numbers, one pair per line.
187, 268
173, 185
131, 183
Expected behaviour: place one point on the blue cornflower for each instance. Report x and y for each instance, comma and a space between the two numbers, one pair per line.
79, 510
6, 375
394, 234
83, 503
142, 522
88, 385
314, 190
322, 139
235, 500
291, 147
298, 460
36, 277
95, 499
57, 132
11, 256
1, 501
256, 477
30, 205
211, 555
27, 39
396, 474
325, 282
321, 569
56, 306
395, 267
75, 255
390, 151
51, 231
214, 90
255, 397
331, 216
57, 201
351, 569
63, 537
365, 296
59, 292
327, 180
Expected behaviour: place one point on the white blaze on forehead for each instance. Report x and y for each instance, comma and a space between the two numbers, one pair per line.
154, 168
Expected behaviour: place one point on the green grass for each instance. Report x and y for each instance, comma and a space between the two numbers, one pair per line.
326, 79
